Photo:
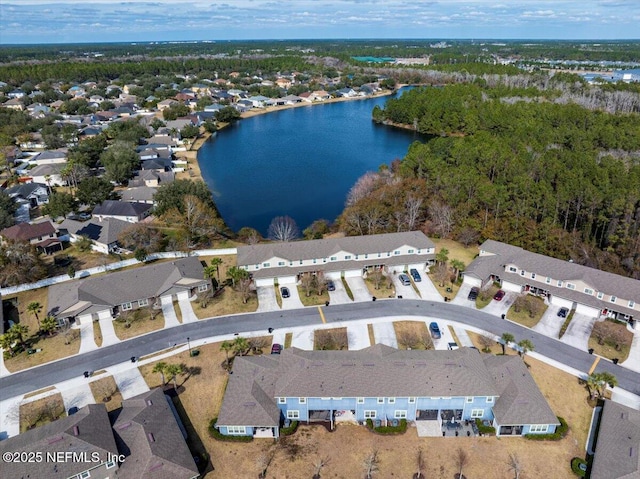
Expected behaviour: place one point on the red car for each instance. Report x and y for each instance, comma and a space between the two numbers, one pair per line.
499, 295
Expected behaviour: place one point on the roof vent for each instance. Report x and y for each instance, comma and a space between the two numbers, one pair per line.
125, 425
55, 439
249, 404
344, 365
149, 402
76, 431
151, 438
369, 365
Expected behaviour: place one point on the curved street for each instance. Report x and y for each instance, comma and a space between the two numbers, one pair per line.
42, 376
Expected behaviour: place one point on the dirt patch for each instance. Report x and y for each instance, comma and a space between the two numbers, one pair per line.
226, 302
106, 391
97, 333
330, 339
611, 339
385, 289
486, 296
38, 392
413, 335
41, 411
177, 310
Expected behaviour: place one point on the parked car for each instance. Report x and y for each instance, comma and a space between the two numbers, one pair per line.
276, 348
563, 312
415, 275
404, 279
331, 286
434, 329
284, 291
473, 294
499, 295
72, 410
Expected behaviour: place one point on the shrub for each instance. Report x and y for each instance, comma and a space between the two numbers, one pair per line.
214, 433
485, 430
401, 428
561, 431
287, 431
575, 466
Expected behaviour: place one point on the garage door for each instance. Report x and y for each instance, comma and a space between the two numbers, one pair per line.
334, 275
472, 281
512, 287
105, 314
183, 295
565, 303
352, 273
286, 280
587, 310
264, 282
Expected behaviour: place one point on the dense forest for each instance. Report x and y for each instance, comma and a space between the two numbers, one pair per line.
509, 164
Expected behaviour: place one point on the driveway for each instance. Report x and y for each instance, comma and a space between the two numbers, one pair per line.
170, 318
108, 332
550, 323
385, 333
499, 308
267, 299
461, 297
407, 292
358, 336
77, 395
186, 308
427, 290
87, 342
339, 296
578, 332
293, 301
10, 417
303, 339
358, 289
129, 381
445, 333
279, 337
633, 361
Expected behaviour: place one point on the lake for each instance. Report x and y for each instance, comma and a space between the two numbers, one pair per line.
299, 162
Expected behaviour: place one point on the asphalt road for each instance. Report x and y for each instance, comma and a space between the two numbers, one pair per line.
52, 373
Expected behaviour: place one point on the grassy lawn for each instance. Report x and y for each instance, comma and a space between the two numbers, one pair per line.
372, 336
486, 296
38, 392
51, 348
80, 260
384, 291
347, 288
41, 411
39, 295
565, 325
106, 391
314, 299
138, 326
228, 260
288, 339
412, 335
523, 317
454, 287
97, 333
456, 250
278, 295
330, 339
178, 311
611, 339
227, 302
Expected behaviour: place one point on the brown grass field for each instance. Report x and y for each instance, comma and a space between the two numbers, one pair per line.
106, 388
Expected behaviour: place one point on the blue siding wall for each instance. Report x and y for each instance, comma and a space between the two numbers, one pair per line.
551, 430
223, 430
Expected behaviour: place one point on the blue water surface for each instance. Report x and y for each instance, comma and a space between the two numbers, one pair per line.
299, 162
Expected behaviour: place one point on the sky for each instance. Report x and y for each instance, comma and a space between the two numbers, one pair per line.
75, 21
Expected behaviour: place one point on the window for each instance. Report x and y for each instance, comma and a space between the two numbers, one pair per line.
127, 306
347, 256
379, 255
613, 299
315, 261
302, 400
571, 286
412, 400
477, 412
293, 414
400, 414
236, 430
360, 400
410, 251
522, 273
280, 263
489, 398
600, 295
366, 255
389, 253
396, 252
282, 400
392, 400
324, 260
548, 280
369, 414
588, 291
143, 302
300, 261
84, 475
513, 269
533, 276
203, 287
538, 428
333, 258
469, 399
111, 464
266, 265
380, 400
632, 304
290, 263
560, 283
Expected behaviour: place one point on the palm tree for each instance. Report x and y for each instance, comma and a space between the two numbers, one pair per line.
172, 371
161, 368
442, 256
18, 332
49, 324
592, 381
458, 266
226, 346
525, 346
240, 345
236, 274
34, 308
216, 263
606, 379
506, 338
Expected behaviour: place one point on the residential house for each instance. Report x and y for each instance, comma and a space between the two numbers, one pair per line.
32, 194
617, 446
257, 101
50, 174
122, 210
168, 103
588, 291
346, 92
385, 385
17, 93
49, 157
102, 232
320, 95
284, 83
144, 439
12, 154
42, 235
336, 257
33, 142
140, 194
156, 164
14, 104
109, 295
152, 178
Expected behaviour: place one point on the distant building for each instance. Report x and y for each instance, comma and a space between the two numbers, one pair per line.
122, 210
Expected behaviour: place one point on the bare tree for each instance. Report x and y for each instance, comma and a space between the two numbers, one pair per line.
318, 465
320, 282
468, 236
283, 228
441, 215
442, 273
371, 464
514, 464
364, 186
462, 459
326, 339
243, 286
307, 280
263, 462
413, 210
376, 276
408, 338
425, 340
420, 465
486, 342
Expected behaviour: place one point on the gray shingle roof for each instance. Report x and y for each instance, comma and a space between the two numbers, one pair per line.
120, 208
25, 189
139, 193
372, 372
94, 435
322, 248
146, 426
520, 401
103, 231
112, 289
617, 453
